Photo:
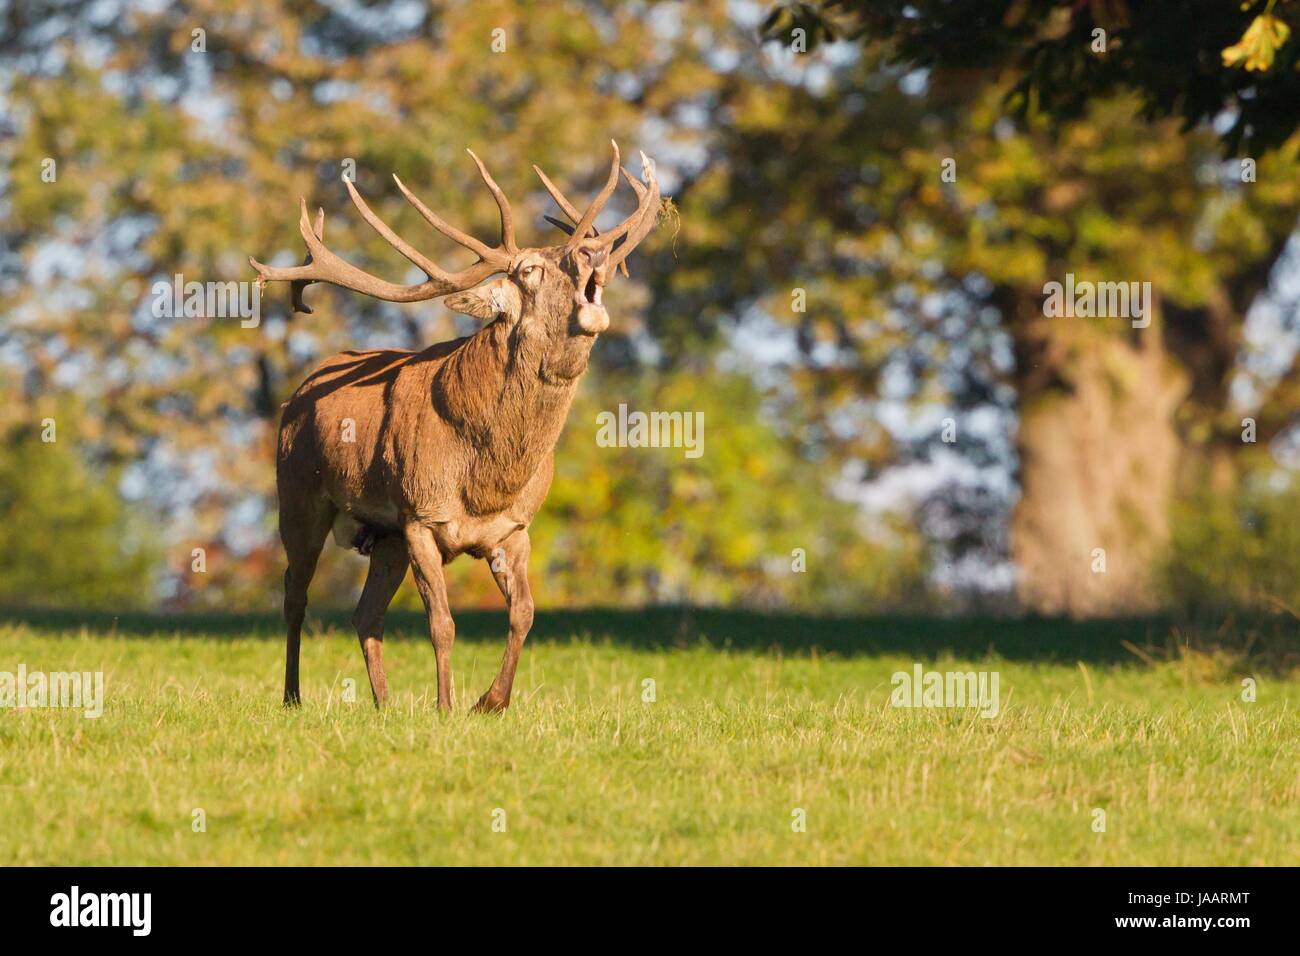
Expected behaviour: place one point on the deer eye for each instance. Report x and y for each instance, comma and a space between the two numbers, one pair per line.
530, 273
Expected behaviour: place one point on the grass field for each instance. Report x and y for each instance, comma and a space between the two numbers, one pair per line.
754, 717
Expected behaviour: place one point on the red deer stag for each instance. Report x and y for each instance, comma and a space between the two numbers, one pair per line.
418, 457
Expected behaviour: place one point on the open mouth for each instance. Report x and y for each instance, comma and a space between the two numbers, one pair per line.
591, 315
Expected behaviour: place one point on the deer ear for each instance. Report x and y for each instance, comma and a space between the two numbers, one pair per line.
487, 301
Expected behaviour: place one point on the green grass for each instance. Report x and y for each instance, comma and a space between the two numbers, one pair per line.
755, 716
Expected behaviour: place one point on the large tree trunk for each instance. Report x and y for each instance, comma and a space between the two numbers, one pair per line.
1099, 460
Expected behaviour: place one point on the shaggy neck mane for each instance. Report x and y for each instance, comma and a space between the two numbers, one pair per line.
491, 391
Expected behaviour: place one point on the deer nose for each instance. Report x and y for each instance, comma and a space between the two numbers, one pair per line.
595, 257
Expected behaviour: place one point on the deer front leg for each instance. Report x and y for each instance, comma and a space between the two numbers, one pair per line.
426, 560
509, 565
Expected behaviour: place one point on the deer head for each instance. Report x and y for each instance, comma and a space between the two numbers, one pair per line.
550, 296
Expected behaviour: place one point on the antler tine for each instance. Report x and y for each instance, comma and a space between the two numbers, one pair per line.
597, 204
431, 268
503, 204
561, 200
638, 225
296, 288
570, 209
631, 181
564, 227
483, 251
622, 228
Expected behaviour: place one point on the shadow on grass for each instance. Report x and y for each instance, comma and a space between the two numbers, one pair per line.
1270, 643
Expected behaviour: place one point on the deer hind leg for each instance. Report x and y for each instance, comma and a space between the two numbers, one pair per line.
388, 564
303, 527
509, 564
426, 561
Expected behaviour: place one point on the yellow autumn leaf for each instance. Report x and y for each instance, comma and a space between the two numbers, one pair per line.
1258, 44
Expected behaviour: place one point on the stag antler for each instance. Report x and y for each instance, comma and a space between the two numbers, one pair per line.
632, 230
322, 265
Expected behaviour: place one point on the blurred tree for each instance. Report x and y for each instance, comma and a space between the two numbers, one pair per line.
1113, 421
1116, 421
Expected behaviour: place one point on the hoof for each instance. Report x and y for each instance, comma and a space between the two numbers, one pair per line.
487, 704
291, 701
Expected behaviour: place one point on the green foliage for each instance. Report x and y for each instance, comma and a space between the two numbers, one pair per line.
654, 525
1181, 57
1258, 46
66, 537
1239, 553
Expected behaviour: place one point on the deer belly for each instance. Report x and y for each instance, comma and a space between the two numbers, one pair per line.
475, 536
